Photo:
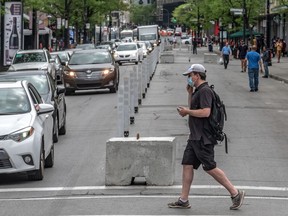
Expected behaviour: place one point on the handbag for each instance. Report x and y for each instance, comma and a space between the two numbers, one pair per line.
221, 62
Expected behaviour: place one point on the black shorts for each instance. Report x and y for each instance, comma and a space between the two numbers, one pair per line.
197, 153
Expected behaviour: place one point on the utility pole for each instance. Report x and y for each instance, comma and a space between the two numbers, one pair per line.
244, 21
268, 24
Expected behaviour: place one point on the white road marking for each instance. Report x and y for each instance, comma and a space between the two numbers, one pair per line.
79, 188
134, 197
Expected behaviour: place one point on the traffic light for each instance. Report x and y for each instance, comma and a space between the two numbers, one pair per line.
173, 20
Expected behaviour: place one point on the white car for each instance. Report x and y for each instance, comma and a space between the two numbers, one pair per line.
26, 130
186, 40
39, 59
144, 48
128, 52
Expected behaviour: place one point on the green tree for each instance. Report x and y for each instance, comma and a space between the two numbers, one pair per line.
143, 14
212, 10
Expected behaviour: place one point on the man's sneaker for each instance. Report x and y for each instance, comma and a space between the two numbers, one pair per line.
237, 200
180, 204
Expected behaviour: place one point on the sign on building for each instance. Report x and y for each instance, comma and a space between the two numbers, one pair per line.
12, 30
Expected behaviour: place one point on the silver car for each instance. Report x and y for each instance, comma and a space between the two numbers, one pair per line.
26, 130
39, 59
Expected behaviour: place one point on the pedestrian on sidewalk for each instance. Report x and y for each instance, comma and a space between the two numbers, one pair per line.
200, 146
174, 41
194, 44
265, 59
278, 47
241, 54
226, 52
254, 62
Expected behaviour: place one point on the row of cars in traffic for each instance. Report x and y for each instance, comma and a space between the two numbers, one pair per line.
32, 104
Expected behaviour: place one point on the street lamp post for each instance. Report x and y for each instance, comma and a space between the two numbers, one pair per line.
168, 16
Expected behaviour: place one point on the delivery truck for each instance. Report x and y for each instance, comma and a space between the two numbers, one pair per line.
149, 33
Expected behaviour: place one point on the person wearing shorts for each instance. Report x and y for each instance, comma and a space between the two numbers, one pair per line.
200, 145
242, 51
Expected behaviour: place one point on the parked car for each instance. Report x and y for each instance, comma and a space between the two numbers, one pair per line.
49, 91
26, 129
59, 66
39, 59
128, 52
91, 69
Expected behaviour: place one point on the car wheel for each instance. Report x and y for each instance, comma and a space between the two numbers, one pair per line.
120, 63
62, 130
136, 62
69, 91
49, 161
56, 129
38, 175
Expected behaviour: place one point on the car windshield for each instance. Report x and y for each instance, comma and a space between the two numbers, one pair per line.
79, 58
29, 57
126, 47
13, 101
40, 82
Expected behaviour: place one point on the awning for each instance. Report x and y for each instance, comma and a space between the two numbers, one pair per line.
240, 34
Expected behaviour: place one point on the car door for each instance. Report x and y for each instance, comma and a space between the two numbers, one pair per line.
46, 120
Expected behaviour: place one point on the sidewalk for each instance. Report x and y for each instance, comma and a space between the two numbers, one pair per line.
277, 71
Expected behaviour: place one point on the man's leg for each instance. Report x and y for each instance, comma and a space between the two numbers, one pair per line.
222, 179
187, 178
237, 196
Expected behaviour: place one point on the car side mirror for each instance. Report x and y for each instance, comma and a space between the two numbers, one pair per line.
52, 60
8, 63
61, 90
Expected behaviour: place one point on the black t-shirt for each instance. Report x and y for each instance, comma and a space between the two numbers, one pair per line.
201, 98
242, 51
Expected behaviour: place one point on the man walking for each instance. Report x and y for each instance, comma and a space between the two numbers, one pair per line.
200, 145
241, 54
265, 59
194, 44
254, 62
226, 52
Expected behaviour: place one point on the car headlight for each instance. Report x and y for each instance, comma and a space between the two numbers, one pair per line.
21, 135
107, 71
115, 55
133, 55
70, 73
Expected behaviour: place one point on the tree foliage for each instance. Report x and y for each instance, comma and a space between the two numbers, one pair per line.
143, 14
219, 10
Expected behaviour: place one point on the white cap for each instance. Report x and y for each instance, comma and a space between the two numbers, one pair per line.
195, 68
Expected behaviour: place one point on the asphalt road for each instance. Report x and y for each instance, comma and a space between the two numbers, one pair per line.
257, 160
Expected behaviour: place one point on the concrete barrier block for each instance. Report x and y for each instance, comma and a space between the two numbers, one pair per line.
150, 157
167, 58
168, 48
210, 58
